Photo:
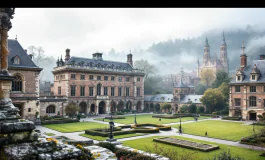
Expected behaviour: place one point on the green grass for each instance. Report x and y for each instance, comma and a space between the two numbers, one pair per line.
49, 134
149, 119
75, 127
99, 138
233, 131
247, 154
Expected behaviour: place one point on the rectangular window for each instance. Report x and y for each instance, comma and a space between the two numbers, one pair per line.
252, 101
72, 90
98, 77
127, 91
91, 91
29, 109
252, 89
238, 78
112, 90
82, 90
237, 102
105, 91
127, 79
138, 79
138, 91
82, 77
120, 79
119, 91
106, 78
91, 77
237, 88
59, 90
72, 76
112, 78
253, 77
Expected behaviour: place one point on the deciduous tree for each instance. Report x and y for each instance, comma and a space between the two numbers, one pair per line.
221, 77
207, 77
71, 109
213, 99
200, 88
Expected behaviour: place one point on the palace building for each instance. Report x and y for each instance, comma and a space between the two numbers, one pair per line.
247, 89
98, 86
213, 63
25, 86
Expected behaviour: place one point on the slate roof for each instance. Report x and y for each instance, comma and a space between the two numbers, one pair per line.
193, 98
247, 70
158, 98
15, 49
100, 63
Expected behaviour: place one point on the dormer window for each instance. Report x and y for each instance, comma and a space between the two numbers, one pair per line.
16, 60
253, 77
239, 78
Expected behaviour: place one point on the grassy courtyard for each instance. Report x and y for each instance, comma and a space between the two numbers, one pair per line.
75, 127
197, 155
149, 119
233, 131
99, 138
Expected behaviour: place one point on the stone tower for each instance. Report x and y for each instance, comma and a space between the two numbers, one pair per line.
223, 54
206, 55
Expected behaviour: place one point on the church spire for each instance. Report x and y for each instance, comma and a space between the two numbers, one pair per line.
206, 42
224, 43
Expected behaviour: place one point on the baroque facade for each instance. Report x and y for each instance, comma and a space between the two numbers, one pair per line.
98, 86
25, 87
247, 89
213, 63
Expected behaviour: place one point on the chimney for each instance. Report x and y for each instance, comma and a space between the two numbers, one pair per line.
243, 57
26, 51
129, 59
67, 55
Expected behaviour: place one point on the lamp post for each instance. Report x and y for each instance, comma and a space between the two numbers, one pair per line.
111, 123
135, 119
180, 128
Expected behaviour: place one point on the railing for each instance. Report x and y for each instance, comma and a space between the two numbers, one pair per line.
53, 97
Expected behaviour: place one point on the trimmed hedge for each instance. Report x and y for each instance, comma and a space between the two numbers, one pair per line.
251, 140
96, 132
59, 121
232, 118
174, 116
115, 117
161, 127
261, 123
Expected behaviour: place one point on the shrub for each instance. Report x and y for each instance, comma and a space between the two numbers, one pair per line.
225, 155
59, 121
119, 113
200, 109
107, 145
232, 118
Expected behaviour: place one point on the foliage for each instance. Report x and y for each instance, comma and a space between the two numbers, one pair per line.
221, 77
224, 88
207, 77
200, 109
153, 84
71, 109
165, 106
36, 114
144, 65
184, 109
107, 145
213, 99
192, 108
200, 88
225, 155
232, 118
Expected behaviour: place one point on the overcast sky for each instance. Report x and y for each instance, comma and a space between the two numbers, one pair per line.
88, 30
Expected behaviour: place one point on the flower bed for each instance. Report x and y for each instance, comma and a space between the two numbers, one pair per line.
161, 127
251, 140
187, 144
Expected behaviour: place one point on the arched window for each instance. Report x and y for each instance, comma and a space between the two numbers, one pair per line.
50, 109
252, 101
17, 83
16, 60
99, 89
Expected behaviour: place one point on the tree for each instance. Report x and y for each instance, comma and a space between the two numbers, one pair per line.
213, 99
200, 88
71, 109
146, 67
153, 84
221, 77
207, 77
192, 108
184, 109
200, 109
165, 106
224, 88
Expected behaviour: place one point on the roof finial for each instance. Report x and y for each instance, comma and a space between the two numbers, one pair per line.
16, 37
224, 38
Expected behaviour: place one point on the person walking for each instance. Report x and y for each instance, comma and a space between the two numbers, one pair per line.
206, 134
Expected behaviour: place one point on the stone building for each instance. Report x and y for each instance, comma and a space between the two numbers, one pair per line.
213, 63
247, 89
25, 86
98, 86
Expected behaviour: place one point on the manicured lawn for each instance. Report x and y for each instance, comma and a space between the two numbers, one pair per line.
99, 138
49, 134
75, 127
247, 154
233, 131
149, 119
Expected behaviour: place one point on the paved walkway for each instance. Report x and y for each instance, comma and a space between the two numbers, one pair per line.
173, 132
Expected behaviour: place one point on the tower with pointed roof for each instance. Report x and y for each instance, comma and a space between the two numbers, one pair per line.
223, 54
206, 55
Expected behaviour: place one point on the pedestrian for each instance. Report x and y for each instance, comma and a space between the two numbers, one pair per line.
206, 134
